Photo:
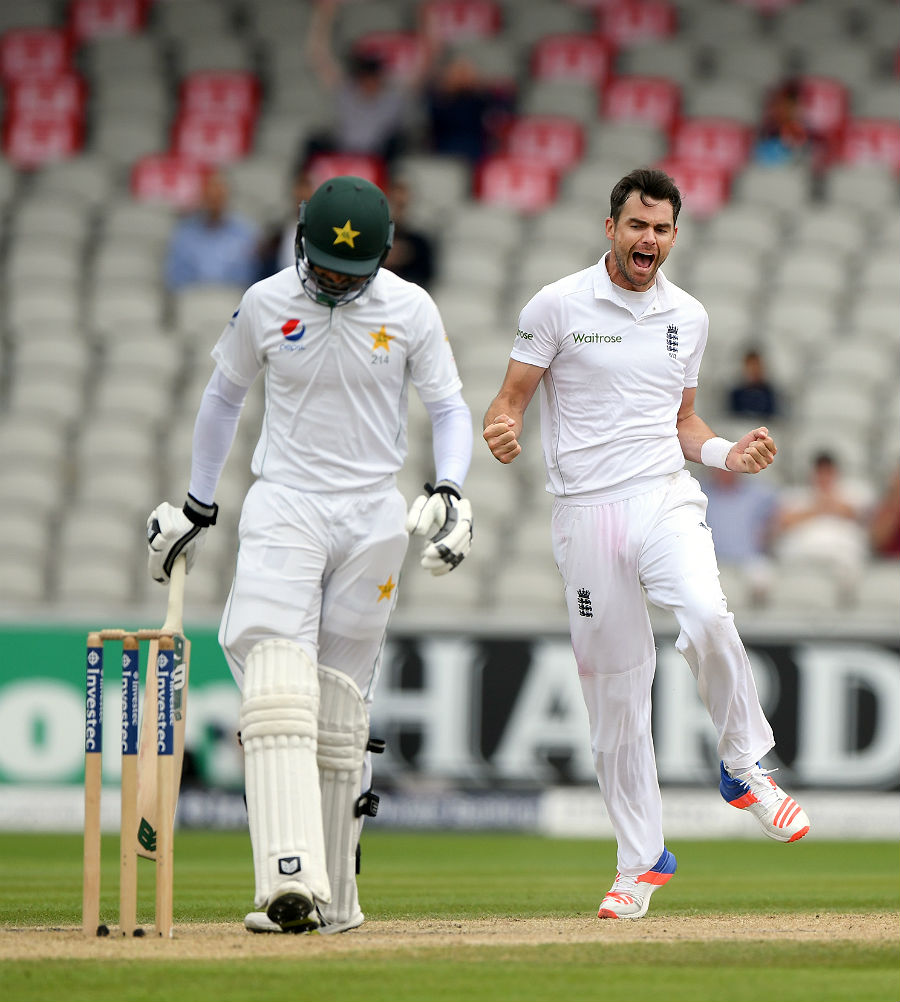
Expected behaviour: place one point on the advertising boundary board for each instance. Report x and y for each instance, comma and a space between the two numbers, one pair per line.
481, 727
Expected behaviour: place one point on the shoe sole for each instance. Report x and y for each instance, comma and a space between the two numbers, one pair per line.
294, 912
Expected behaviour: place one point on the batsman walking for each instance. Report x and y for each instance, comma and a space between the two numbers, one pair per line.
323, 534
616, 351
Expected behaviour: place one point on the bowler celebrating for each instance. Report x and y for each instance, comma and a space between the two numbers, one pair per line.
616, 350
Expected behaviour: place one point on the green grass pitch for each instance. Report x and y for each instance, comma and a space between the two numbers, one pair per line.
462, 877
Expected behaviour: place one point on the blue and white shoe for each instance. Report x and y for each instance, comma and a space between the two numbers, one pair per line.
629, 897
754, 790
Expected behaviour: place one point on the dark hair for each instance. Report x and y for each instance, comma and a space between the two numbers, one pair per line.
651, 183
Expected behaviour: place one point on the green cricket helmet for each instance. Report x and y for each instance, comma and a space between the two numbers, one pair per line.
345, 228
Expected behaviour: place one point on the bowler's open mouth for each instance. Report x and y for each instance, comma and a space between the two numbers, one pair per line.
643, 261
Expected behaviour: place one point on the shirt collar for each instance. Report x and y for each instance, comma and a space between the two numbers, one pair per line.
605, 289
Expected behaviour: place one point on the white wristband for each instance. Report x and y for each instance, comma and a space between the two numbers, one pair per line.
714, 452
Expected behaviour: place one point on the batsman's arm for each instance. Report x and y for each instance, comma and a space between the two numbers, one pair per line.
505, 416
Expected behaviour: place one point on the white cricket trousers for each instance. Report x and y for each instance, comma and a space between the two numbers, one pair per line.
318, 569
609, 555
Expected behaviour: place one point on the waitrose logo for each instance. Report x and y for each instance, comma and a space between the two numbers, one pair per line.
582, 337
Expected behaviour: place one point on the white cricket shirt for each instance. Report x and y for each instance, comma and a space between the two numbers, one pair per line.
613, 385
336, 380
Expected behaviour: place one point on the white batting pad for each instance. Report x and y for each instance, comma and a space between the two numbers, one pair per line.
343, 736
279, 715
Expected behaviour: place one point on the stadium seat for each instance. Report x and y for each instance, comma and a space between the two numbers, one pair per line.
201, 312
33, 139
518, 182
353, 23
35, 14
87, 181
871, 140
879, 588
92, 19
546, 19
565, 97
675, 57
29, 53
322, 166
175, 181
798, 590
453, 21
564, 56
633, 21
722, 142
214, 139
643, 99
704, 187
22, 579
27, 443
549, 139
739, 100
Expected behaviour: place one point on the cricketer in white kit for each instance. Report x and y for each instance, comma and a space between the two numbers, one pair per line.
616, 351
323, 534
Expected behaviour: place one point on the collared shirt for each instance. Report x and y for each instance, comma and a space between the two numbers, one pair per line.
226, 253
336, 379
613, 386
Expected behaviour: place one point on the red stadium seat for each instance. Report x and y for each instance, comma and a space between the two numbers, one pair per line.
871, 140
520, 183
32, 139
400, 52
705, 188
572, 57
825, 105
220, 92
56, 95
547, 139
722, 142
164, 177
636, 20
643, 98
325, 165
454, 20
33, 52
90, 19
212, 139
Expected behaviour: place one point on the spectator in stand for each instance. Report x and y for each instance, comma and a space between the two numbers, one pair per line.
884, 525
213, 245
465, 112
754, 395
785, 136
825, 524
412, 254
739, 513
372, 109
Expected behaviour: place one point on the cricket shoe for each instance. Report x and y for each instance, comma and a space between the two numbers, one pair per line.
292, 907
260, 922
629, 897
754, 790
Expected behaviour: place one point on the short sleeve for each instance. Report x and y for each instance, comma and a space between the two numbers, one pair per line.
432, 366
237, 352
537, 336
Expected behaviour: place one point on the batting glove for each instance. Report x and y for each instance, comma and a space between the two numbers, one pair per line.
172, 531
445, 518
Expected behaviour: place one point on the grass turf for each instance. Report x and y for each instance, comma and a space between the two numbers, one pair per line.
461, 876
